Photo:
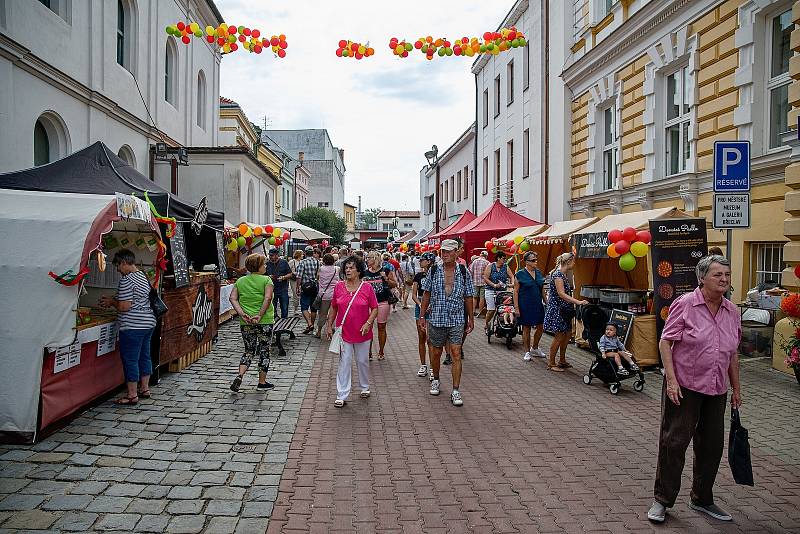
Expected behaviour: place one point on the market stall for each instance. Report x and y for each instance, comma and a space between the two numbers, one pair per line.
496, 220
463, 220
512, 243
555, 240
600, 277
59, 348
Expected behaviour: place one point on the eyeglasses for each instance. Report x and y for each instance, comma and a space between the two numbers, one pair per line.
532, 258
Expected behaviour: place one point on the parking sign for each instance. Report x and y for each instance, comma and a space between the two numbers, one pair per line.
731, 166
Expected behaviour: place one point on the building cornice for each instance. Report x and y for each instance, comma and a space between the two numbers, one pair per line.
511, 18
461, 142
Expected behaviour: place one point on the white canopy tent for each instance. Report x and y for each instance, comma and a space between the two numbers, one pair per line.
300, 231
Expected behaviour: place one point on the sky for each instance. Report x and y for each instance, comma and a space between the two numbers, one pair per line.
385, 112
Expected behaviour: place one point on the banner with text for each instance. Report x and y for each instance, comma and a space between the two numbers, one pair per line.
591, 245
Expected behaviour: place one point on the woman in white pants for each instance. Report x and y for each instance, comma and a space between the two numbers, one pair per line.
354, 308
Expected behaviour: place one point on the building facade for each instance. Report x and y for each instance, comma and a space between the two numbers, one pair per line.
456, 182
77, 72
653, 84
323, 162
404, 221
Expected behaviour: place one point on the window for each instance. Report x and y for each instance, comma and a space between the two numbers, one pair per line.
170, 74
526, 153
408, 225
385, 226
267, 208
609, 149
497, 96
201, 100
780, 52
322, 204
50, 139
526, 66
251, 202
466, 183
445, 198
46, 3
485, 108
428, 204
452, 188
768, 261
120, 33
677, 121
510, 149
510, 83
609, 5
497, 174
459, 187
126, 154
485, 176
41, 144
442, 196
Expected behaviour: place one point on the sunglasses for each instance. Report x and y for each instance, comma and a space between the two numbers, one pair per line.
531, 258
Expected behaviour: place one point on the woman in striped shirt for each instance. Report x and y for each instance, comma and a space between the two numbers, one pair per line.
136, 323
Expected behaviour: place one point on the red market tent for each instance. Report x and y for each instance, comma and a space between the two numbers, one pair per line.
466, 218
496, 221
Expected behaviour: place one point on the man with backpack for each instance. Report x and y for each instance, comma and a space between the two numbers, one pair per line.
448, 296
307, 286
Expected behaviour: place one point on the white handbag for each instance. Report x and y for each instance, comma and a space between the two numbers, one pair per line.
336, 338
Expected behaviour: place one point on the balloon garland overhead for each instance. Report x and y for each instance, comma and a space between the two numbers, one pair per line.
354, 50
245, 237
628, 245
225, 36
493, 43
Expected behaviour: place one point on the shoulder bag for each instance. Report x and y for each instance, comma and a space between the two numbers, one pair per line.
739, 451
156, 304
336, 337
317, 304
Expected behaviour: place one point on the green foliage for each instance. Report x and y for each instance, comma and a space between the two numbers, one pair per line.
324, 220
370, 216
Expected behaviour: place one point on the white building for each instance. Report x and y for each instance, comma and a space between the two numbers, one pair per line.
456, 182
515, 91
405, 221
323, 161
79, 71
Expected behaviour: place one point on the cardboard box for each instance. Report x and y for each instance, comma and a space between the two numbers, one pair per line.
769, 302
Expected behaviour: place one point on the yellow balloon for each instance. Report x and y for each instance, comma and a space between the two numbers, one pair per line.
362, 50
276, 232
639, 249
226, 48
518, 239
194, 27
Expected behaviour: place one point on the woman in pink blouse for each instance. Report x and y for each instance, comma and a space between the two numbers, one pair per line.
356, 328
699, 352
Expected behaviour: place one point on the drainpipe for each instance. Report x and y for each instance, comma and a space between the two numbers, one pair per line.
546, 114
475, 154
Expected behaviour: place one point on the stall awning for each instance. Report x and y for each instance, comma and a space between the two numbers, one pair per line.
498, 218
638, 220
561, 230
466, 218
525, 231
300, 231
422, 236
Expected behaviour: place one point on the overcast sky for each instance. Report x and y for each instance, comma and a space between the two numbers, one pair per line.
385, 112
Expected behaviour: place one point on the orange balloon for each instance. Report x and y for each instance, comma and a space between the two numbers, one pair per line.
611, 251
243, 229
258, 230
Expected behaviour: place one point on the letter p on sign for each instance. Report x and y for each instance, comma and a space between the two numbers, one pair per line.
730, 157
731, 166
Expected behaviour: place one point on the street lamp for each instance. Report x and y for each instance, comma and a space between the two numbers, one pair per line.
432, 156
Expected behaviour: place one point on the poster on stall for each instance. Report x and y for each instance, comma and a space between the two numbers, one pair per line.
591, 245
177, 245
67, 357
107, 341
676, 247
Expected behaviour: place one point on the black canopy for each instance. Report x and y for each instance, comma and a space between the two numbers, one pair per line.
97, 170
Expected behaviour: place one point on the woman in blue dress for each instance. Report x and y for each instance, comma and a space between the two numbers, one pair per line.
528, 304
560, 299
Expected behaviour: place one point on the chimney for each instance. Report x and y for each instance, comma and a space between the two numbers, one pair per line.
301, 156
341, 154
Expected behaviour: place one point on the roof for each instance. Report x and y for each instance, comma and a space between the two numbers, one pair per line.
392, 213
466, 218
233, 150
498, 218
525, 231
225, 102
213, 7
349, 205
564, 229
638, 220
420, 236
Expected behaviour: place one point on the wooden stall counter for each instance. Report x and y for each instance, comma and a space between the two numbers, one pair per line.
190, 325
643, 341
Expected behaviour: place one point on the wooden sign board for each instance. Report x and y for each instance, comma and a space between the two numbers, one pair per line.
180, 267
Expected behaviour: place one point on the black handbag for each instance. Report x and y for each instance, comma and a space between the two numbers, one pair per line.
739, 451
156, 304
567, 312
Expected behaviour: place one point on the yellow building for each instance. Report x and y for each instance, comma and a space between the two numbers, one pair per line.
350, 217
654, 84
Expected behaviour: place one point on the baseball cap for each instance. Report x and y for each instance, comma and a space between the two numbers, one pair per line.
450, 245
274, 250
309, 248
428, 256
485, 253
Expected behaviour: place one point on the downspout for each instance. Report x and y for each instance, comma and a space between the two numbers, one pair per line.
475, 154
546, 114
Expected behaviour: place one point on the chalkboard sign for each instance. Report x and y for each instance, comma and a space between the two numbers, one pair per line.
178, 249
624, 322
221, 269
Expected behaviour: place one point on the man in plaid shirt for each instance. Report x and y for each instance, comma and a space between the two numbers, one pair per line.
476, 269
448, 293
307, 286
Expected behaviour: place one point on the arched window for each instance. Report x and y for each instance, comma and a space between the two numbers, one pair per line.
126, 33
201, 100
126, 154
171, 72
50, 138
267, 209
251, 202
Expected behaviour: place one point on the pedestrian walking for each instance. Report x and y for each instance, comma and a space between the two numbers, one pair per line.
297, 256
529, 304
381, 278
251, 297
307, 286
136, 322
698, 349
407, 271
354, 308
448, 295
328, 276
497, 277
561, 310
476, 269
388, 260
280, 272
416, 294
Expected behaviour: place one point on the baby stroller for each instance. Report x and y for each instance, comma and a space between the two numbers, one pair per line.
595, 319
499, 327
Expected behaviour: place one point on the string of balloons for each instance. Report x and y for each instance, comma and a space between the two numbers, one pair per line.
225, 37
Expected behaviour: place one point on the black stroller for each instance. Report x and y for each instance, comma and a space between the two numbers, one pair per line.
595, 319
500, 328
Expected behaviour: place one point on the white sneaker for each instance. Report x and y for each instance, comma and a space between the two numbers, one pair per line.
455, 398
365, 393
423, 370
538, 352
430, 375
527, 356
657, 512
434, 387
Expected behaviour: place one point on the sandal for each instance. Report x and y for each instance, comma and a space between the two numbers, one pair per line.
127, 401
370, 356
565, 365
555, 368
145, 394
308, 329
381, 357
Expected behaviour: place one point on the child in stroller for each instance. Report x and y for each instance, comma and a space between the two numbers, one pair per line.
506, 310
504, 322
612, 347
606, 367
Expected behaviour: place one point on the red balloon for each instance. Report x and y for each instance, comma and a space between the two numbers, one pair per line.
286, 236
622, 247
488, 245
283, 44
629, 234
181, 26
221, 41
797, 270
274, 41
614, 235
278, 241
234, 47
247, 31
339, 52
281, 53
231, 29
210, 38
268, 228
359, 55
437, 246
643, 236
509, 243
418, 45
255, 34
257, 49
185, 39
242, 38
405, 54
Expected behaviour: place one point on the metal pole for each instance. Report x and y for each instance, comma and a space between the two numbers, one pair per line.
436, 193
729, 245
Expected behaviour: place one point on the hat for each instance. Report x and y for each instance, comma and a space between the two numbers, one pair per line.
485, 253
450, 245
274, 250
309, 248
428, 256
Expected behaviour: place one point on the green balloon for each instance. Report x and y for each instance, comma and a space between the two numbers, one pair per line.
409, 47
515, 43
482, 49
524, 246
346, 52
271, 240
241, 241
490, 47
441, 52
522, 42
169, 30
424, 49
198, 33
627, 262
448, 51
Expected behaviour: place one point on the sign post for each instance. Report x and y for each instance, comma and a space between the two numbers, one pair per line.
731, 187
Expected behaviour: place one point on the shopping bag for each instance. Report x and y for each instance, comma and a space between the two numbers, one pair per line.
739, 451
336, 341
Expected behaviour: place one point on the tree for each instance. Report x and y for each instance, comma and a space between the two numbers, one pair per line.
324, 220
370, 217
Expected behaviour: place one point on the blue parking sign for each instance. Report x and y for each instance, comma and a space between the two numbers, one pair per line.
731, 166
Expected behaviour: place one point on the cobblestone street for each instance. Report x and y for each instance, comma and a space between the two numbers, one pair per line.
530, 451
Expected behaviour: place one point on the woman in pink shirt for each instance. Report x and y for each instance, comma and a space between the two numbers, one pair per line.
356, 327
699, 352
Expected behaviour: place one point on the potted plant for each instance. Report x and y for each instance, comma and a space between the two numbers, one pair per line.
790, 344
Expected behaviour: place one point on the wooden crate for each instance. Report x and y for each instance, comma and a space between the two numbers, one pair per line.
185, 361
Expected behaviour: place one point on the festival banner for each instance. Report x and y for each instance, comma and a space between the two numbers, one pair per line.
591, 245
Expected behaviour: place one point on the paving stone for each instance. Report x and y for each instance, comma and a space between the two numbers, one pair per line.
155, 492
243, 479
153, 523
257, 509
75, 473
67, 502
109, 505
223, 508
76, 521
186, 524
250, 525
185, 492
185, 507
114, 461
111, 474
31, 520
89, 487
47, 487
264, 493
118, 522
124, 490
18, 455
177, 478
80, 458
147, 506
21, 502
224, 493
146, 477
210, 478
49, 457
221, 525
13, 485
